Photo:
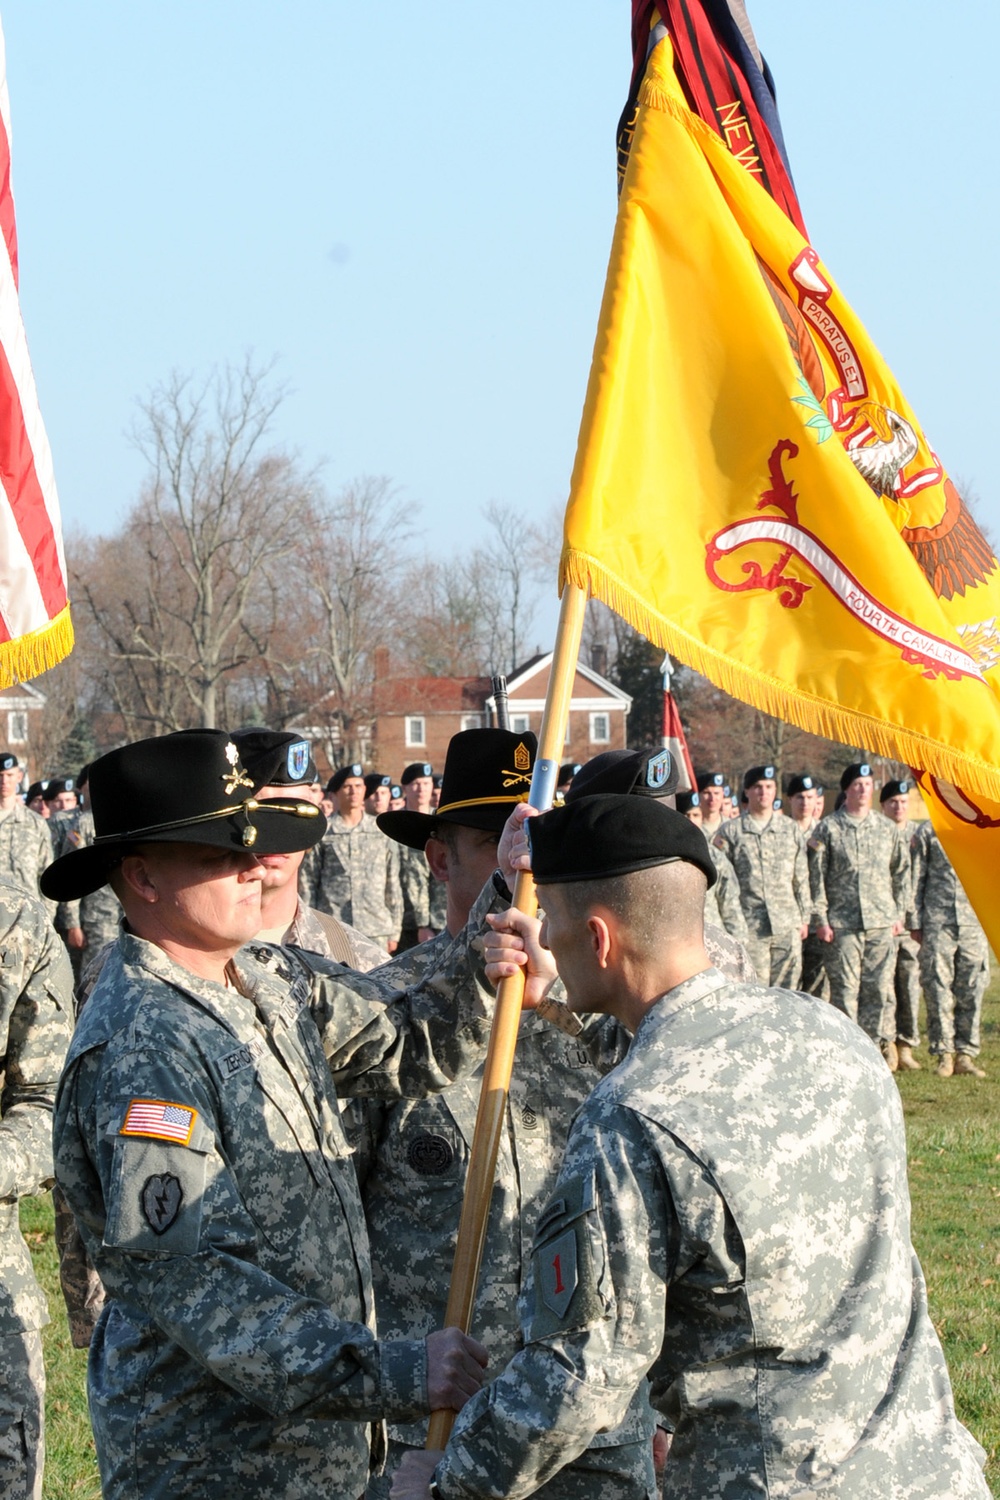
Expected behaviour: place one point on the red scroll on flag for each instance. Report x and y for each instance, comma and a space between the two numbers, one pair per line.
35, 629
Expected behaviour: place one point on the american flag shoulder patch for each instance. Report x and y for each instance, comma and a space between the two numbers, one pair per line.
160, 1120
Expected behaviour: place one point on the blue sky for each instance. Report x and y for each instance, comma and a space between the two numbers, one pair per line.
411, 212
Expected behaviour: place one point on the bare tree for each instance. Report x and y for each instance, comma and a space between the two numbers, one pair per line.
183, 596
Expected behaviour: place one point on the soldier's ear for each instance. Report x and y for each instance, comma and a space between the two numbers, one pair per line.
138, 879
600, 938
438, 856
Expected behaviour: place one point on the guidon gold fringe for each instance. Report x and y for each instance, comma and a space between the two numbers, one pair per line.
27, 656
814, 715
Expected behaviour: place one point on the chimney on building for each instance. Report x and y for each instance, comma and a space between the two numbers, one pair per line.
599, 660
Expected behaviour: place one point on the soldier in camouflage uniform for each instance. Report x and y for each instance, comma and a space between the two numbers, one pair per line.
424, 895
36, 1006
894, 800
859, 870
25, 844
722, 901
731, 1217
804, 801
712, 791
199, 1144
954, 957
769, 857
355, 873
88, 924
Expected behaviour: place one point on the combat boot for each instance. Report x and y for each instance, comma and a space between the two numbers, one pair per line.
907, 1062
965, 1064
888, 1050
946, 1065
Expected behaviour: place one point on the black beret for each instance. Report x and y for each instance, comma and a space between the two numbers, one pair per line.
710, 778
374, 780
852, 772
35, 790
8, 761
276, 757
58, 784
893, 789
600, 837
342, 774
568, 771
687, 800
395, 792
757, 773
412, 772
643, 773
798, 784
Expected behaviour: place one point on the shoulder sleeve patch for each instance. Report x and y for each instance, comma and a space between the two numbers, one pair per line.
160, 1120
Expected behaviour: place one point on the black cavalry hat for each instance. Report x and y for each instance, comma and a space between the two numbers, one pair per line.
643, 773
486, 771
276, 757
190, 787
598, 838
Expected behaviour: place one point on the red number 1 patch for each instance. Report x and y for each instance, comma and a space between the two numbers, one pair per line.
558, 1273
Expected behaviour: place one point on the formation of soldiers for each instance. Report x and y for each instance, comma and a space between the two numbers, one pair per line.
231, 1253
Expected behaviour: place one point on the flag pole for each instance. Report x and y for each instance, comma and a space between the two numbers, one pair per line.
491, 1115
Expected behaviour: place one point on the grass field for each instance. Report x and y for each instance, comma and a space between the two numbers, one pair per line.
953, 1130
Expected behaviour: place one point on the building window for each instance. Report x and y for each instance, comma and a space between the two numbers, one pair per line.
520, 723
472, 721
416, 733
17, 727
600, 729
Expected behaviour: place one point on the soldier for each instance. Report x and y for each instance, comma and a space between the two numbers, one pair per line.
354, 876
769, 857
415, 1166
720, 1221
894, 800
378, 793
87, 925
954, 958
199, 1144
60, 795
712, 790
35, 800
859, 870
424, 899
36, 1006
25, 844
805, 808
282, 765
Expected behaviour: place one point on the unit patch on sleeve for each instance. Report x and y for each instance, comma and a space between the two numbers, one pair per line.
557, 1272
162, 1196
159, 1120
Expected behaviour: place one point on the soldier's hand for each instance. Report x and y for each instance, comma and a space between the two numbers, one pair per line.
75, 937
824, 933
455, 1365
513, 851
897, 929
424, 934
804, 931
513, 944
412, 1479
662, 1439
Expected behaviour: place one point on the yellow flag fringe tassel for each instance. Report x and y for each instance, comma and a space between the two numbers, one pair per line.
814, 715
30, 655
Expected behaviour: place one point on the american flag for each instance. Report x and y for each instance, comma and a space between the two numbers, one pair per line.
35, 629
161, 1121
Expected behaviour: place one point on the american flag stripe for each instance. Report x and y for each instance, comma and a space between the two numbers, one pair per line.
35, 631
160, 1120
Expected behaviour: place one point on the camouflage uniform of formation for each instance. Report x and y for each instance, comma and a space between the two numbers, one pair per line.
425, 899
813, 977
773, 873
860, 874
36, 997
354, 875
906, 975
98, 914
710, 1226
954, 954
199, 1144
319, 932
413, 1159
722, 902
25, 847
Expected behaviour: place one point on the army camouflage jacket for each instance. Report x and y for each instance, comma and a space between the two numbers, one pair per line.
415, 882
25, 848
721, 1222
772, 870
98, 914
859, 872
199, 1145
938, 897
312, 930
36, 1021
722, 902
354, 875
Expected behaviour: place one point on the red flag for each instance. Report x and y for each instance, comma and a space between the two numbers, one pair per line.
35, 629
674, 740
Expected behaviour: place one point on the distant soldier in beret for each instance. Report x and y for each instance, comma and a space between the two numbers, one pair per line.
354, 873
769, 857
805, 808
954, 958
34, 798
566, 773
424, 900
894, 800
722, 902
712, 791
378, 793
87, 925
720, 1223
859, 871
198, 1142
281, 763
60, 795
25, 843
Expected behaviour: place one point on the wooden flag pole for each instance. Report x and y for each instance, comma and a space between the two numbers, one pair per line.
499, 1063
